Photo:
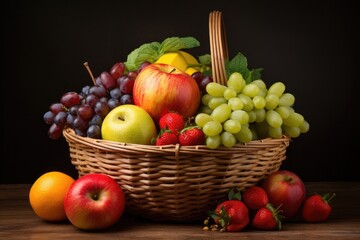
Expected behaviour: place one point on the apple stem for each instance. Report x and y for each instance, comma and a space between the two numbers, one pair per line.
86, 64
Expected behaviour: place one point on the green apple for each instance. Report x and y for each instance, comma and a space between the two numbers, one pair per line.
128, 123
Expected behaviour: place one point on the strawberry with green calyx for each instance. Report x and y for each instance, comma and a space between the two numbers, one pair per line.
173, 121
255, 197
267, 218
192, 135
230, 215
165, 137
316, 208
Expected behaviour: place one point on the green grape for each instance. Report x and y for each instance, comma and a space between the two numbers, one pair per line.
286, 100
205, 109
283, 111
250, 90
229, 93
273, 118
272, 101
215, 89
277, 88
259, 115
213, 142
202, 118
294, 120
263, 92
252, 116
260, 83
236, 82
216, 101
275, 132
221, 113
212, 128
232, 126
235, 103
205, 99
291, 131
228, 139
240, 115
304, 127
248, 103
259, 102
245, 135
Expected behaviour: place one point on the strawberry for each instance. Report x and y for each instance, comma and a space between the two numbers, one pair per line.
192, 135
255, 197
267, 218
316, 208
165, 137
173, 121
231, 215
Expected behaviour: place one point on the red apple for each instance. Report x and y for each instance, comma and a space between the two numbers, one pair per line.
285, 188
94, 201
162, 88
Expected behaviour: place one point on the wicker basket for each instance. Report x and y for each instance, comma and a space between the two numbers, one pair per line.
173, 183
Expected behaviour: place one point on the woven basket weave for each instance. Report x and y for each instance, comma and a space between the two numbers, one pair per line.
179, 183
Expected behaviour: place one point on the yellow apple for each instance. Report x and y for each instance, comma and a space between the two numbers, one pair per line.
128, 123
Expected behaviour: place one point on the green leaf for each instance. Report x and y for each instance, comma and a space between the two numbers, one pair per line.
234, 194
146, 52
173, 44
240, 64
152, 51
205, 59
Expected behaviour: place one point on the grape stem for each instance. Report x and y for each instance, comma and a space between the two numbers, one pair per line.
86, 64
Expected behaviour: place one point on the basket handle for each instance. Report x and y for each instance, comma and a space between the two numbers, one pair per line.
218, 47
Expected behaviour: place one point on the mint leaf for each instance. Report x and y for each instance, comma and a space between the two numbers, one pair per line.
239, 64
152, 51
146, 52
205, 59
173, 44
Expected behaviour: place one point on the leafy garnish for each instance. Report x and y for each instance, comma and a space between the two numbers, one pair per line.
239, 64
152, 51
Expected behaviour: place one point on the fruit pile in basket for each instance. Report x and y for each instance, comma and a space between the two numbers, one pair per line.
126, 103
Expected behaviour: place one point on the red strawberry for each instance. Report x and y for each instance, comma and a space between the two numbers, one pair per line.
316, 207
255, 197
192, 135
173, 121
267, 218
231, 215
166, 137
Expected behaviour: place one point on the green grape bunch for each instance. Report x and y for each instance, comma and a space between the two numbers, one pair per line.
241, 112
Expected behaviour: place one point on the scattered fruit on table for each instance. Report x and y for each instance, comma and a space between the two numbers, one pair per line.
47, 195
231, 215
286, 189
267, 218
271, 203
94, 201
128, 123
317, 207
255, 197
162, 88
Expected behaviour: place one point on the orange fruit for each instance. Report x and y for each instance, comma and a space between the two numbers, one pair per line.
47, 195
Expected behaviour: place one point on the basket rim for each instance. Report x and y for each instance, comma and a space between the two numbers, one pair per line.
71, 136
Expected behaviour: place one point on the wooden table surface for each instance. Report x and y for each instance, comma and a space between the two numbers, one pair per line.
18, 221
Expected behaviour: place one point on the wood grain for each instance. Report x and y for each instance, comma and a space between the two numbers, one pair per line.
18, 221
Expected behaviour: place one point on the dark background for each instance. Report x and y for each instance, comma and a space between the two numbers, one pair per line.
311, 46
